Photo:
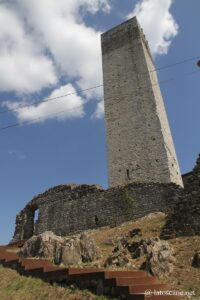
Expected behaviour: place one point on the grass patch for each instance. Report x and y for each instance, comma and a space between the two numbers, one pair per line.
16, 287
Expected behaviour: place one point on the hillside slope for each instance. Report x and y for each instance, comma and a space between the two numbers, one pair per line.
183, 278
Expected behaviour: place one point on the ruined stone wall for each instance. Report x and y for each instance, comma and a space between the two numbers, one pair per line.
185, 217
139, 142
68, 209
187, 179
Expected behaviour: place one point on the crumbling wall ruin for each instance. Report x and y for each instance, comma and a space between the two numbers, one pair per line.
67, 209
185, 217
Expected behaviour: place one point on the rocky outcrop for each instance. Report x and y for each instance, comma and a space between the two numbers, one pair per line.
159, 257
44, 245
88, 249
119, 258
68, 251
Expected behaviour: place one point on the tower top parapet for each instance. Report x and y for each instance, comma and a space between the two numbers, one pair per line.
123, 33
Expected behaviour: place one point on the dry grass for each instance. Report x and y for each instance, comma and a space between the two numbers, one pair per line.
184, 277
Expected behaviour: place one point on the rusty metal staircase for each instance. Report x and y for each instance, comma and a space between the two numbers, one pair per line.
130, 285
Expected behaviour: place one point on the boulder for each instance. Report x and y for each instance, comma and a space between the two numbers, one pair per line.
45, 245
88, 249
70, 253
159, 257
67, 250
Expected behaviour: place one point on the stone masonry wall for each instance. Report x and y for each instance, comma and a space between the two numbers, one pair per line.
185, 217
139, 142
67, 209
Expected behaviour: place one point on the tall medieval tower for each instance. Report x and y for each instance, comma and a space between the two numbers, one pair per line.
139, 141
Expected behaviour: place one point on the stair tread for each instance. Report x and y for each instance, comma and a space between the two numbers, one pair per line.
117, 274
155, 297
132, 280
141, 288
163, 297
30, 262
85, 270
47, 269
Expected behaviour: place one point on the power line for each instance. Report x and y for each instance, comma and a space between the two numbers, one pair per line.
176, 63
91, 88
63, 111
32, 121
49, 99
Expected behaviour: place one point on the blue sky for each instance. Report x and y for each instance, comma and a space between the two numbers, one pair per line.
49, 50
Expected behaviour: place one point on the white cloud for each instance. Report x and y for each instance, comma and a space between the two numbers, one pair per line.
23, 67
74, 46
44, 41
157, 22
99, 112
70, 106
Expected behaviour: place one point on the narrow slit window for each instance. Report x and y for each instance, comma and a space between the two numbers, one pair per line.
96, 220
128, 174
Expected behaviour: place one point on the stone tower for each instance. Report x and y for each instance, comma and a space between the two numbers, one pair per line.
139, 141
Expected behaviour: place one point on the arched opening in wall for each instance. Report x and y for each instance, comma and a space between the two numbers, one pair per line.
128, 174
35, 219
36, 215
30, 221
